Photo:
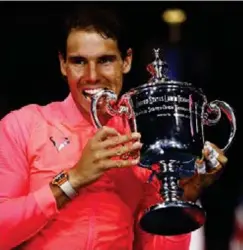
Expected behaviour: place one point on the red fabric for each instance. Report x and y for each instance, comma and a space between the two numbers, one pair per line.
103, 217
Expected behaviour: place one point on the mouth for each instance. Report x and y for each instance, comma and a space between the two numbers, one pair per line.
88, 93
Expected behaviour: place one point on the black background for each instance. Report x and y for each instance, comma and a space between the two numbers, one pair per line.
210, 57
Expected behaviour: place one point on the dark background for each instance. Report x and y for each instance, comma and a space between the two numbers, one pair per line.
209, 55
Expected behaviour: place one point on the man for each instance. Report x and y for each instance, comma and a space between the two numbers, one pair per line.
63, 183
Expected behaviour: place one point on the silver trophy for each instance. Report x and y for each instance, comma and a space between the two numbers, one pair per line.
170, 115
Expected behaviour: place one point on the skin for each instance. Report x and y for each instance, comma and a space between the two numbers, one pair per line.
93, 61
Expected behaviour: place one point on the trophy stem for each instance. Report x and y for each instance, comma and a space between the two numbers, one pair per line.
169, 177
173, 216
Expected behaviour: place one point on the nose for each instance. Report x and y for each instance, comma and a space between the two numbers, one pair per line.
91, 74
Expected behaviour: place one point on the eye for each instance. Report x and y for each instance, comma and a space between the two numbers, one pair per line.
77, 60
107, 59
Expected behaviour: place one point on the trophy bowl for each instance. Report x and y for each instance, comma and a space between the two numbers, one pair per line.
170, 115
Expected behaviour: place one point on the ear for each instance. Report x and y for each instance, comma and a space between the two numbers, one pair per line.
127, 62
62, 62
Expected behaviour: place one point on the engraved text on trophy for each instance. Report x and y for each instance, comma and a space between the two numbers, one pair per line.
165, 105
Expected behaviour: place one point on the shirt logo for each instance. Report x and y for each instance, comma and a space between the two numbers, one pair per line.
61, 145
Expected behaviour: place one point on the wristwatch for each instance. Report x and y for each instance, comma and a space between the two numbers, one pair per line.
61, 180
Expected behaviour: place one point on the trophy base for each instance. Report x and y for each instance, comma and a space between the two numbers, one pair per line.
173, 218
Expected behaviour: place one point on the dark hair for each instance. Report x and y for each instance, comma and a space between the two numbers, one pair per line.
104, 20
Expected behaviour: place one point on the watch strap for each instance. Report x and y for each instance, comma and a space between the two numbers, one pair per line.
67, 188
61, 180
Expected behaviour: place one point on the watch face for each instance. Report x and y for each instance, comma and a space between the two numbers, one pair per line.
60, 178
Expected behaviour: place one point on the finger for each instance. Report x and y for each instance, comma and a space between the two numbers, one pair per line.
107, 153
214, 147
212, 162
134, 154
200, 166
104, 133
211, 158
108, 164
120, 139
212, 151
214, 165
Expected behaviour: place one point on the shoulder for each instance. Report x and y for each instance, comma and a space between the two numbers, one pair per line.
20, 122
20, 116
28, 114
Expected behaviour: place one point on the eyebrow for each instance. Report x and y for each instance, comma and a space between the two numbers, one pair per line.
104, 56
109, 56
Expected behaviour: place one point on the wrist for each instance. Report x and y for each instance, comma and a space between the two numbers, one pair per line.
75, 179
62, 181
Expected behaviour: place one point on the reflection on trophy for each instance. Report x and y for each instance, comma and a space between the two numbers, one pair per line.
170, 115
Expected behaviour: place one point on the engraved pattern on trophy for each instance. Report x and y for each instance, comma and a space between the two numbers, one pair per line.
175, 113
170, 190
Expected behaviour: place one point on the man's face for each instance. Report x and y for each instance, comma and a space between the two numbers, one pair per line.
92, 63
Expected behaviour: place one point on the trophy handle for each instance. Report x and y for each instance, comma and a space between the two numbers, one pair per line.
215, 108
113, 107
110, 95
